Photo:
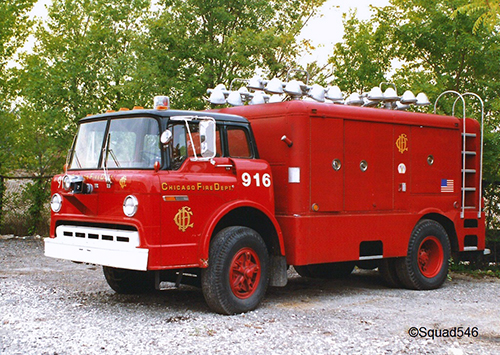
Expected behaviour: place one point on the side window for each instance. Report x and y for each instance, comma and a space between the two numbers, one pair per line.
181, 148
237, 141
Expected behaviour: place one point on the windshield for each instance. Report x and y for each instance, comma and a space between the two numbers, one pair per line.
129, 143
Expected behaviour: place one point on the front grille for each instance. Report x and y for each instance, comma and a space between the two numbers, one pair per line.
96, 236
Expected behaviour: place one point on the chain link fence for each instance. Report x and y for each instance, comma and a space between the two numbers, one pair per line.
24, 205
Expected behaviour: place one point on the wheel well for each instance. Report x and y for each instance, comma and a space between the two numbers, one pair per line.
448, 225
256, 220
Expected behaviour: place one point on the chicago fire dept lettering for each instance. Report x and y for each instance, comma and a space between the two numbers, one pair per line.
197, 187
402, 143
183, 218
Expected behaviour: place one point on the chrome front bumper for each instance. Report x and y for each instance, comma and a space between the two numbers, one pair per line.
101, 246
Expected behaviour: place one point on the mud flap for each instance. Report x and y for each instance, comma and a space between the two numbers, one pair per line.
278, 277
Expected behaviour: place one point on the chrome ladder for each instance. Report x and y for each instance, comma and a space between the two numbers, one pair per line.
470, 194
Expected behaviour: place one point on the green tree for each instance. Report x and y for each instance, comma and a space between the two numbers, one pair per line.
438, 48
14, 29
362, 59
487, 13
194, 45
82, 61
81, 64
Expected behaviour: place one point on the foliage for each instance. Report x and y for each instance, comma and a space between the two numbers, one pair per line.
14, 29
193, 45
486, 11
359, 62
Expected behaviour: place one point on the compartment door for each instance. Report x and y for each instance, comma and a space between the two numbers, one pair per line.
327, 159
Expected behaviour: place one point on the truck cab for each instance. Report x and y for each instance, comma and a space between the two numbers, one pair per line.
147, 192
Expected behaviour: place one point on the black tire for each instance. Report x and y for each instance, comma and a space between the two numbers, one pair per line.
387, 269
129, 281
237, 275
426, 265
326, 270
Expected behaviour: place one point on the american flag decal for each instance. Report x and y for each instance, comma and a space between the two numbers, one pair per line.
446, 185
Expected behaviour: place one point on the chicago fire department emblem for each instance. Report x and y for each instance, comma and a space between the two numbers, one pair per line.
402, 143
123, 182
183, 218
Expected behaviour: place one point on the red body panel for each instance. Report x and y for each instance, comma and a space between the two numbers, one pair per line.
389, 172
328, 214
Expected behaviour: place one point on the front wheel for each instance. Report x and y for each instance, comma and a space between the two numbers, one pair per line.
238, 273
426, 264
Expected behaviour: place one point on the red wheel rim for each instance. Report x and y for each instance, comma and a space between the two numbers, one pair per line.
430, 257
244, 274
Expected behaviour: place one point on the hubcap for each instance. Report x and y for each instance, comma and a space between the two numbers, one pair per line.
244, 274
430, 257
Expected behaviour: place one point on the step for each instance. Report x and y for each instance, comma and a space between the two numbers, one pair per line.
468, 189
468, 152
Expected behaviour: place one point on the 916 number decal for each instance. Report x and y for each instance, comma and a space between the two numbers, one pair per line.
247, 179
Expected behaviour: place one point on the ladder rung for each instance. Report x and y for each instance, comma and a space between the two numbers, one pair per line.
469, 171
468, 152
471, 135
468, 189
469, 207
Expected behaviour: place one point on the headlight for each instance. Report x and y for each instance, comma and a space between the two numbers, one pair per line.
66, 182
130, 205
56, 202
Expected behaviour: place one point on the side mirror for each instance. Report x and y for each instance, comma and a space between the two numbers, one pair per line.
166, 137
207, 138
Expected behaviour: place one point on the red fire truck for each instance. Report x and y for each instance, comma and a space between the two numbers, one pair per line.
228, 199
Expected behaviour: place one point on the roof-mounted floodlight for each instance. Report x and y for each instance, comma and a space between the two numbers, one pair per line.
400, 106
354, 100
369, 103
317, 92
422, 100
334, 94
217, 95
256, 83
408, 98
275, 98
390, 95
375, 95
294, 89
258, 98
274, 86
234, 99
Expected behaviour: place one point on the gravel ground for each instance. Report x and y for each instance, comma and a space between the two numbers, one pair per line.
50, 306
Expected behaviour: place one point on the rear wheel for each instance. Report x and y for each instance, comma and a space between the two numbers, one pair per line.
129, 281
238, 273
426, 264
